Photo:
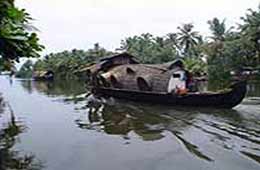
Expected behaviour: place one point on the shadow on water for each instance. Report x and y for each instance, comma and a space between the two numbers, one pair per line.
9, 136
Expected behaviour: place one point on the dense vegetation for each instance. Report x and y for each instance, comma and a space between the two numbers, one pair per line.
227, 49
67, 63
17, 38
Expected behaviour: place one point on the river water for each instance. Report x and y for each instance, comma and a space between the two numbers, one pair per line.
50, 126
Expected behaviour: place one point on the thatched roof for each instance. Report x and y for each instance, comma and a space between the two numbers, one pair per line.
110, 61
124, 71
124, 54
172, 64
139, 77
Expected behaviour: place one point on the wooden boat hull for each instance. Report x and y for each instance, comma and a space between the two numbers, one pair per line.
220, 100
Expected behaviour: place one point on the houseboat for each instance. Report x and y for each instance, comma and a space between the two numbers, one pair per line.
122, 76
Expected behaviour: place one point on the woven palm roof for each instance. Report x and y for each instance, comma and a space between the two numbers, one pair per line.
124, 54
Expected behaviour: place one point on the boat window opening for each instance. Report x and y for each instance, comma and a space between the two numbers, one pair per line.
143, 85
130, 71
176, 75
104, 82
88, 72
114, 82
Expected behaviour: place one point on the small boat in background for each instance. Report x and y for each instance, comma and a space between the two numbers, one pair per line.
121, 76
43, 75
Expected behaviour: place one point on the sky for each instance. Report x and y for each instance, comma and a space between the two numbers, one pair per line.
69, 24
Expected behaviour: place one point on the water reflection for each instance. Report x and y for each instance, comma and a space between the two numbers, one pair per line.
254, 89
9, 136
55, 88
120, 121
226, 128
149, 123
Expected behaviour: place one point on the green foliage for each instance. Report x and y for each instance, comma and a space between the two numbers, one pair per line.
150, 49
218, 29
195, 65
16, 36
250, 33
217, 61
66, 63
188, 40
155, 49
6, 65
233, 50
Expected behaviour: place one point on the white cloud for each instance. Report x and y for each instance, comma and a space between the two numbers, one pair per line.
67, 24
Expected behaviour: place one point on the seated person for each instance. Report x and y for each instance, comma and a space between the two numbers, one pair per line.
181, 82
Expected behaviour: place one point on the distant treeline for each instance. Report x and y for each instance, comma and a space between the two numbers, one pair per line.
227, 49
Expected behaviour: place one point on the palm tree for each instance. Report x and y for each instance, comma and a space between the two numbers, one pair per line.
218, 29
172, 38
188, 39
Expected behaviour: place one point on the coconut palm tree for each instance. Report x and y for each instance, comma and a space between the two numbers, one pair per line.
188, 39
172, 38
218, 29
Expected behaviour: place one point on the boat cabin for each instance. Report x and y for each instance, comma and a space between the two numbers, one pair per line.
169, 77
